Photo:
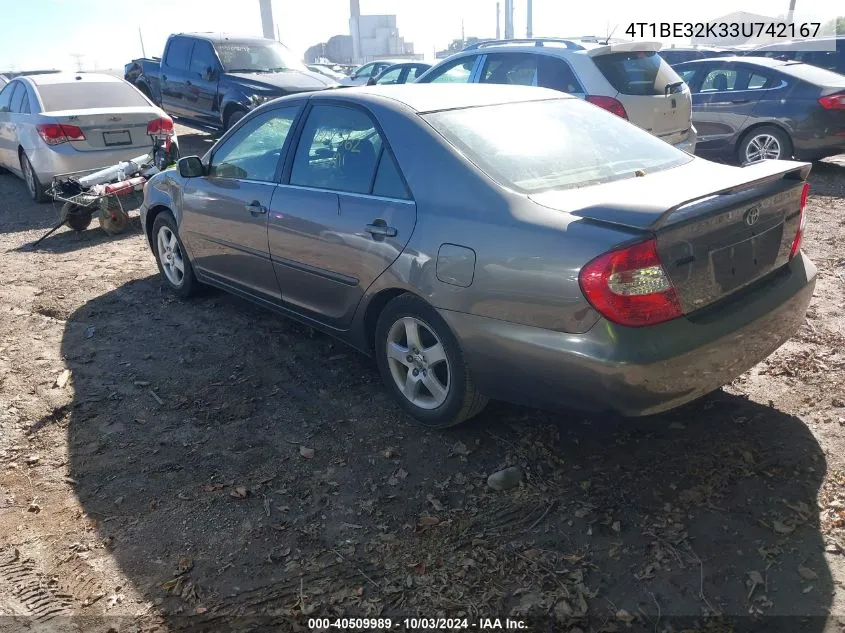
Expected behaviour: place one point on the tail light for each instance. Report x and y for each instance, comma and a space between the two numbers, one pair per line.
802, 222
630, 287
833, 102
161, 126
56, 134
608, 103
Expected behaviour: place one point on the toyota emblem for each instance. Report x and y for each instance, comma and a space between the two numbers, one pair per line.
752, 215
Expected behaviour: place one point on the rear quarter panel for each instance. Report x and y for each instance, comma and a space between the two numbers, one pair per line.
790, 108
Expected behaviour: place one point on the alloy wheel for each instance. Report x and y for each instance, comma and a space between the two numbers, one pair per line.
171, 257
418, 363
29, 176
761, 147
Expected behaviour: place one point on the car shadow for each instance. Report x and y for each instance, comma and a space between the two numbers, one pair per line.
246, 472
65, 240
827, 177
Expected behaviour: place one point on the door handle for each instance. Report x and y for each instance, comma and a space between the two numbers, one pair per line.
256, 208
188, 82
379, 227
740, 100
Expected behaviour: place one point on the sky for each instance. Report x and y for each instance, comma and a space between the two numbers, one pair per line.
48, 33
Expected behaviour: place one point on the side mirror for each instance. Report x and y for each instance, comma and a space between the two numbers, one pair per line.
210, 73
190, 167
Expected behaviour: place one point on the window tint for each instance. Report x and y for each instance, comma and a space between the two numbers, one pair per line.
414, 72
390, 77
457, 71
556, 74
17, 98
727, 79
510, 68
178, 53
23, 107
553, 144
6, 96
338, 150
203, 58
688, 75
388, 181
88, 94
756, 81
367, 70
253, 152
637, 72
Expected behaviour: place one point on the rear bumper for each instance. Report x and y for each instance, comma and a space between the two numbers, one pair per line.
61, 159
637, 371
688, 144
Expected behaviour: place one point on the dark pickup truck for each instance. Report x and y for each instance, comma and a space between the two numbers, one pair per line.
213, 79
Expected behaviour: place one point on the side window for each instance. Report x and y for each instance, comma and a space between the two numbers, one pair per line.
23, 107
203, 58
366, 71
253, 151
755, 81
556, 74
510, 68
390, 77
6, 96
413, 73
388, 181
179, 53
17, 98
719, 80
338, 150
457, 71
688, 75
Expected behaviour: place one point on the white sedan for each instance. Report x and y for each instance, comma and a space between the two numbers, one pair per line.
58, 123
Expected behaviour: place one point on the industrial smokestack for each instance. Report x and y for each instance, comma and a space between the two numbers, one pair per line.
355, 29
267, 19
529, 29
508, 19
498, 13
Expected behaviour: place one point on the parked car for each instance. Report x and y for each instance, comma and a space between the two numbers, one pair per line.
565, 255
361, 75
755, 108
404, 73
214, 79
629, 79
58, 123
3, 80
808, 51
327, 70
675, 56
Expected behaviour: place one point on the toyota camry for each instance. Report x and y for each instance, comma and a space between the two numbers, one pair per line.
487, 241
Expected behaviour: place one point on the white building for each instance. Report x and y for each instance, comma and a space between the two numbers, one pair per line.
380, 38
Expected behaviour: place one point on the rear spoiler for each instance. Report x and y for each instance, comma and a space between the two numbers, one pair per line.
766, 172
625, 47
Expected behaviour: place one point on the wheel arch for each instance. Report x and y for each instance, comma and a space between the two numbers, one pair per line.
375, 306
756, 126
152, 213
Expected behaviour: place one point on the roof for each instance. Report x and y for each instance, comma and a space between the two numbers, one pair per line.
67, 78
218, 37
432, 97
769, 62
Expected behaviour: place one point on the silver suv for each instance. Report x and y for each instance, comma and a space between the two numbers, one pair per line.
628, 78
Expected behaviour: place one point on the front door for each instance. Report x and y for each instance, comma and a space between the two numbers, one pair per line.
174, 75
224, 214
201, 85
344, 217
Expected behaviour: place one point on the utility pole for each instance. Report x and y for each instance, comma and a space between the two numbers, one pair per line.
78, 57
791, 11
529, 29
266, 18
498, 14
141, 37
508, 19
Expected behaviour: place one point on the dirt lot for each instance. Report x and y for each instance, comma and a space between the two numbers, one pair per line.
155, 471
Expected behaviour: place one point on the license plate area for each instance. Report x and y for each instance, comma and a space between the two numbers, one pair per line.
112, 139
742, 262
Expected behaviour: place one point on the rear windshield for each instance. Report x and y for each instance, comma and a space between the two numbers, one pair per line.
637, 72
813, 74
86, 94
554, 144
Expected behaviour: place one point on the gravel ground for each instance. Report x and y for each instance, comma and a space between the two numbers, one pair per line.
204, 465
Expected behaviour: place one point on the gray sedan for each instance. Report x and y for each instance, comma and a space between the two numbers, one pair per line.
486, 241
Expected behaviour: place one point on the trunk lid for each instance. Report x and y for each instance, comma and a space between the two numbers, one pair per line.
718, 228
107, 128
655, 97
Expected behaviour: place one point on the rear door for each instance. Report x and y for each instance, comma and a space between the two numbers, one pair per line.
342, 219
725, 95
509, 68
174, 76
653, 95
201, 82
224, 214
7, 133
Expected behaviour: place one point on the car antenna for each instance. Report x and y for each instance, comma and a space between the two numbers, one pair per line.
607, 41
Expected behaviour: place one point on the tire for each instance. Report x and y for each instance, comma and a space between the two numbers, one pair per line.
234, 116
33, 185
77, 217
433, 410
767, 136
164, 228
113, 218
